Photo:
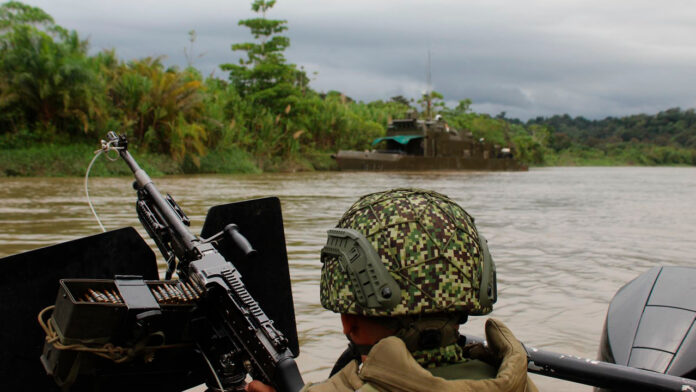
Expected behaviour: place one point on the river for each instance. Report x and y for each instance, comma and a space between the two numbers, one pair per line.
564, 239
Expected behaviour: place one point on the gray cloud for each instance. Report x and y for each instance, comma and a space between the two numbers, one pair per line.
528, 58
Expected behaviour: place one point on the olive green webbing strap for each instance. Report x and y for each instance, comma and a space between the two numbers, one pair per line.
65, 384
431, 340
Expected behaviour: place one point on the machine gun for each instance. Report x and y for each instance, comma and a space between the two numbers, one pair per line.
209, 306
234, 334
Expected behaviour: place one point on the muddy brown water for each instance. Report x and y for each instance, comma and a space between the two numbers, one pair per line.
564, 239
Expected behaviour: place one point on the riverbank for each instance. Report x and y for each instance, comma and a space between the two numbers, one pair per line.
54, 160
49, 160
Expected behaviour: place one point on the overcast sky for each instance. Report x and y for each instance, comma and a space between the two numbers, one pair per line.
525, 57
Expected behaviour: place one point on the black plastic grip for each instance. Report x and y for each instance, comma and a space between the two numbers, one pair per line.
239, 240
287, 376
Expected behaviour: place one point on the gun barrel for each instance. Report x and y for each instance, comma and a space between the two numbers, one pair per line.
603, 374
599, 374
164, 208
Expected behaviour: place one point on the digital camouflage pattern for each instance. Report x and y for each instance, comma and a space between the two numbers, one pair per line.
428, 244
439, 356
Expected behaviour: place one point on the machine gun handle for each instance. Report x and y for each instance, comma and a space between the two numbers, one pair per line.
288, 376
232, 232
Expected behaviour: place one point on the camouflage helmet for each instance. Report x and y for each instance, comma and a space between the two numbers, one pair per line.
405, 252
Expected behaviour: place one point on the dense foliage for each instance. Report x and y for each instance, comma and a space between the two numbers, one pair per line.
669, 137
54, 93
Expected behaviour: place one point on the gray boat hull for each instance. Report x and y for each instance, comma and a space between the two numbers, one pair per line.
384, 161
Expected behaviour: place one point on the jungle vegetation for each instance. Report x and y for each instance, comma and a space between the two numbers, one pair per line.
56, 100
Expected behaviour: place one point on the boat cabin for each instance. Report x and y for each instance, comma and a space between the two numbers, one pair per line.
434, 138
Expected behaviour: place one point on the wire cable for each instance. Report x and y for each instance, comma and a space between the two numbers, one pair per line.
89, 201
105, 148
212, 369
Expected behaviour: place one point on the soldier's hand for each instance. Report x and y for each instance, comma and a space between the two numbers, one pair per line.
258, 386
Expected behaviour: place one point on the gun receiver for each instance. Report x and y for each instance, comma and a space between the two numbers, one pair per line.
232, 331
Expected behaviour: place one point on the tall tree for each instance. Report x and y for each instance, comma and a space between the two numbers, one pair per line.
263, 76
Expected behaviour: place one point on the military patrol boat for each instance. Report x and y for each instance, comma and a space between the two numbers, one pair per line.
413, 144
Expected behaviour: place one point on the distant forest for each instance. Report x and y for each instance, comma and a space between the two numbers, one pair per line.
57, 100
668, 137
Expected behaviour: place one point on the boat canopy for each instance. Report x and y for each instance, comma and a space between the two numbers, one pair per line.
401, 139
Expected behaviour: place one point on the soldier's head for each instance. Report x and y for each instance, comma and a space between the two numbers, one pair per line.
412, 258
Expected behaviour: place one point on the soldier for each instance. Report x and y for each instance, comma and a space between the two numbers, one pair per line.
405, 268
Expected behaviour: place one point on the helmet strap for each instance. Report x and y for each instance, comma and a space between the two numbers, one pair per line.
418, 333
430, 331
